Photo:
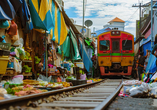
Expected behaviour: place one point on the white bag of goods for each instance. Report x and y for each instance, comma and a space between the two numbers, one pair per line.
153, 92
135, 92
18, 79
126, 89
132, 82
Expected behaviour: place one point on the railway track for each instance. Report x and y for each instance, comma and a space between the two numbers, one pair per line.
96, 96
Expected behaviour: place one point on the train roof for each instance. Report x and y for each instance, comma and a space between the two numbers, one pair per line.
98, 32
115, 30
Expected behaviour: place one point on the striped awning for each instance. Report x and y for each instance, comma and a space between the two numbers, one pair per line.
47, 15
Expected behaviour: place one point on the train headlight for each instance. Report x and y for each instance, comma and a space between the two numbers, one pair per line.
113, 32
117, 32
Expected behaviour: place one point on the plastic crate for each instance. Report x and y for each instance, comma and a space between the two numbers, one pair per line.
5, 46
3, 64
4, 53
77, 82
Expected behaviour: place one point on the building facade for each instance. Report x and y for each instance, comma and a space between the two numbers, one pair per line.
116, 23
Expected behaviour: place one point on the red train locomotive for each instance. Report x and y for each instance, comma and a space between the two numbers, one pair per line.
115, 53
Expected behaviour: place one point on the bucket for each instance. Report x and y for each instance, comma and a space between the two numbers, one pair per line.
10, 65
3, 64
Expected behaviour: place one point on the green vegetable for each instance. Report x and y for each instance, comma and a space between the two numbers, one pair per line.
10, 91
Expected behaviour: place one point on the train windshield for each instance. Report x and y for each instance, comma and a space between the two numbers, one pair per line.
127, 44
104, 45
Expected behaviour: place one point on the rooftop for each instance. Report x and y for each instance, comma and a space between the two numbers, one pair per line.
116, 20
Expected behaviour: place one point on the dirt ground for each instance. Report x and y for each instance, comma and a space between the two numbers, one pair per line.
128, 103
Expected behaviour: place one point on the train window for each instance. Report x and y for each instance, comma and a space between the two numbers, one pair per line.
104, 45
127, 44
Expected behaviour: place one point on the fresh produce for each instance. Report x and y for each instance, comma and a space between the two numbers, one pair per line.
37, 60
27, 69
3, 91
10, 91
30, 82
66, 84
2, 98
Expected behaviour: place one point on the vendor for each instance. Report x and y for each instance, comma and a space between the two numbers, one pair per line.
141, 61
155, 50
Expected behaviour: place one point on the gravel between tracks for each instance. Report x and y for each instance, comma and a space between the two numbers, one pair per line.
127, 103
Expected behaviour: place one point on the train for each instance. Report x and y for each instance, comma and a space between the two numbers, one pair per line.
115, 53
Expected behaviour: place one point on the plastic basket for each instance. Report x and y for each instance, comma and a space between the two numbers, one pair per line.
3, 64
4, 53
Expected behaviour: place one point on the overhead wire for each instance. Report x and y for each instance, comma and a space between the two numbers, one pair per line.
132, 15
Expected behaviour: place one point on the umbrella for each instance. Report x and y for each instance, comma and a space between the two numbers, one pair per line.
7, 11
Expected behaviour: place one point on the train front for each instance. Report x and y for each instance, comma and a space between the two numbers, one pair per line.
115, 53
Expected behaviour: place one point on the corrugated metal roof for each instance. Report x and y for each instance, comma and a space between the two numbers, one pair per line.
116, 20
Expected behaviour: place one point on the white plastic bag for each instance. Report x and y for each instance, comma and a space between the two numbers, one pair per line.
18, 79
17, 66
19, 42
43, 78
152, 85
153, 92
135, 92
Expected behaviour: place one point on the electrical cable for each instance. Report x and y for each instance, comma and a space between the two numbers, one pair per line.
132, 15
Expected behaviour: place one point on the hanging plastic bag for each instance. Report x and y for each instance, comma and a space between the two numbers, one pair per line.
17, 65
13, 29
4, 24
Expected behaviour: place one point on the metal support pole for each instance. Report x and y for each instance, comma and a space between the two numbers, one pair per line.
151, 23
140, 22
83, 33
46, 53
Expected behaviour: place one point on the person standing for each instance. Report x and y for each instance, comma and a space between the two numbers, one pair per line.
141, 61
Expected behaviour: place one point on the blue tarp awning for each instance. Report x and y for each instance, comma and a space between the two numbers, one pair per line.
151, 66
86, 59
144, 41
147, 46
155, 5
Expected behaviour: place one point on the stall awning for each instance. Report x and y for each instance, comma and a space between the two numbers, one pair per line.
47, 15
86, 59
151, 66
41, 14
70, 48
144, 41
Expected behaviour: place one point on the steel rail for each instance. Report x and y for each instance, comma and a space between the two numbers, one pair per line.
39, 95
108, 100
